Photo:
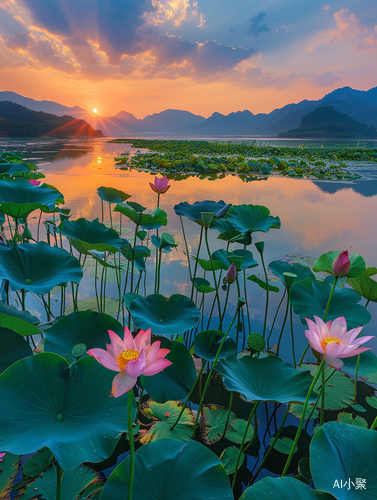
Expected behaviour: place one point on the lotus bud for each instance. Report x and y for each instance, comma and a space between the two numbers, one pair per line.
341, 265
160, 186
34, 182
231, 274
240, 302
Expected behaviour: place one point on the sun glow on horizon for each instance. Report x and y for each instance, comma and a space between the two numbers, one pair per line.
95, 110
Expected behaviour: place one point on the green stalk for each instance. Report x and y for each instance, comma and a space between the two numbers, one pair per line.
226, 302
245, 294
323, 396
132, 444
267, 296
133, 257
243, 440
159, 255
210, 373
273, 443
302, 418
374, 425
59, 477
111, 219
276, 314
292, 334
185, 240
214, 275
228, 416
196, 262
284, 321
357, 365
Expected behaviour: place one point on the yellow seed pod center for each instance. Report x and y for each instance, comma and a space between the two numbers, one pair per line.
125, 356
329, 340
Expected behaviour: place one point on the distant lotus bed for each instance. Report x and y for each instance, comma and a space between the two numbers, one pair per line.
162, 343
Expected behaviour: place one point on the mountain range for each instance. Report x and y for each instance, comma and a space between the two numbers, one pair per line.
359, 105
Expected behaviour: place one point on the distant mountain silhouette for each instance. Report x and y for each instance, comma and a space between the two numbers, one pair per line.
46, 106
358, 104
326, 121
19, 121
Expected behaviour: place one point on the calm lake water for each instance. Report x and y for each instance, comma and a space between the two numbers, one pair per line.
316, 216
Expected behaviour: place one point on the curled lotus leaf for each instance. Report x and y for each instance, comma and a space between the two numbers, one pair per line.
13, 168
242, 259
44, 401
18, 198
252, 218
112, 195
85, 235
265, 379
279, 267
37, 267
175, 471
194, 211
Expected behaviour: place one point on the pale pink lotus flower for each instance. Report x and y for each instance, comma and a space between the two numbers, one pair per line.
160, 186
131, 357
332, 340
1, 458
341, 265
231, 274
34, 182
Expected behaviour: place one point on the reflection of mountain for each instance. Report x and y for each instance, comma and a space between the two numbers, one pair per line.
365, 188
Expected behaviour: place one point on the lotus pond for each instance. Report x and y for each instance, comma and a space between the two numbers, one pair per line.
237, 323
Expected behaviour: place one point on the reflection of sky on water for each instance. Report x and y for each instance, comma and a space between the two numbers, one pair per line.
316, 217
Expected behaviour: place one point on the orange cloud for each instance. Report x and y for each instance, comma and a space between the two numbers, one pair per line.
348, 26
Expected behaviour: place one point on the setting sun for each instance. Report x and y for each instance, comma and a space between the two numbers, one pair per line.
95, 110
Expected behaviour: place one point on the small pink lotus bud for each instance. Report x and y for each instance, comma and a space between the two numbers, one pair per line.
34, 182
231, 274
160, 185
341, 265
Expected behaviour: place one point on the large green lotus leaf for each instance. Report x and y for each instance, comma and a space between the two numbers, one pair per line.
339, 452
164, 316
193, 212
265, 379
44, 401
13, 348
112, 195
175, 381
283, 488
10, 466
367, 366
128, 211
206, 345
279, 267
309, 298
326, 261
13, 168
243, 259
74, 481
164, 417
168, 469
84, 327
37, 267
86, 235
139, 252
18, 325
18, 198
252, 218
110, 305
365, 286
12, 311
153, 219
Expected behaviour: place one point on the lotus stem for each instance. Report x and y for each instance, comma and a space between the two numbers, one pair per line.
189, 395
196, 262
185, 240
247, 302
292, 334
111, 218
218, 286
255, 434
228, 415
133, 257
39, 223
374, 425
323, 396
226, 302
132, 444
284, 321
120, 223
302, 418
273, 443
276, 314
95, 287
210, 372
139, 404
159, 256
59, 477
214, 275
267, 295
243, 440
102, 209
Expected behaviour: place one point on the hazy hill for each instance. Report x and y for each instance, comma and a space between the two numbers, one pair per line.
18, 121
328, 122
46, 106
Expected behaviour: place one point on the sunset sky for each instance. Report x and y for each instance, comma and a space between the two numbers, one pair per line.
144, 56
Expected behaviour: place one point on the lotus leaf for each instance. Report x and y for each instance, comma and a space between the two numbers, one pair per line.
84, 327
10, 466
266, 379
164, 316
203, 285
193, 212
326, 261
37, 267
175, 381
347, 418
38, 463
309, 298
206, 345
367, 366
242, 259
110, 305
365, 286
252, 218
13, 348
18, 198
164, 416
229, 459
283, 488
139, 252
112, 195
85, 235
279, 267
18, 325
175, 471
152, 219
44, 401
13, 168
339, 452
262, 283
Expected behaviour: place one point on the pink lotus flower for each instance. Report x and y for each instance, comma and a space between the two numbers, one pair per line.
332, 340
341, 265
131, 357
231, 274
1, 458
35, 183
160, 186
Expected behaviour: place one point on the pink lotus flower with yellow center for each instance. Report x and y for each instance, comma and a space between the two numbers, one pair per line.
160, 186
332, 340
131, 357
